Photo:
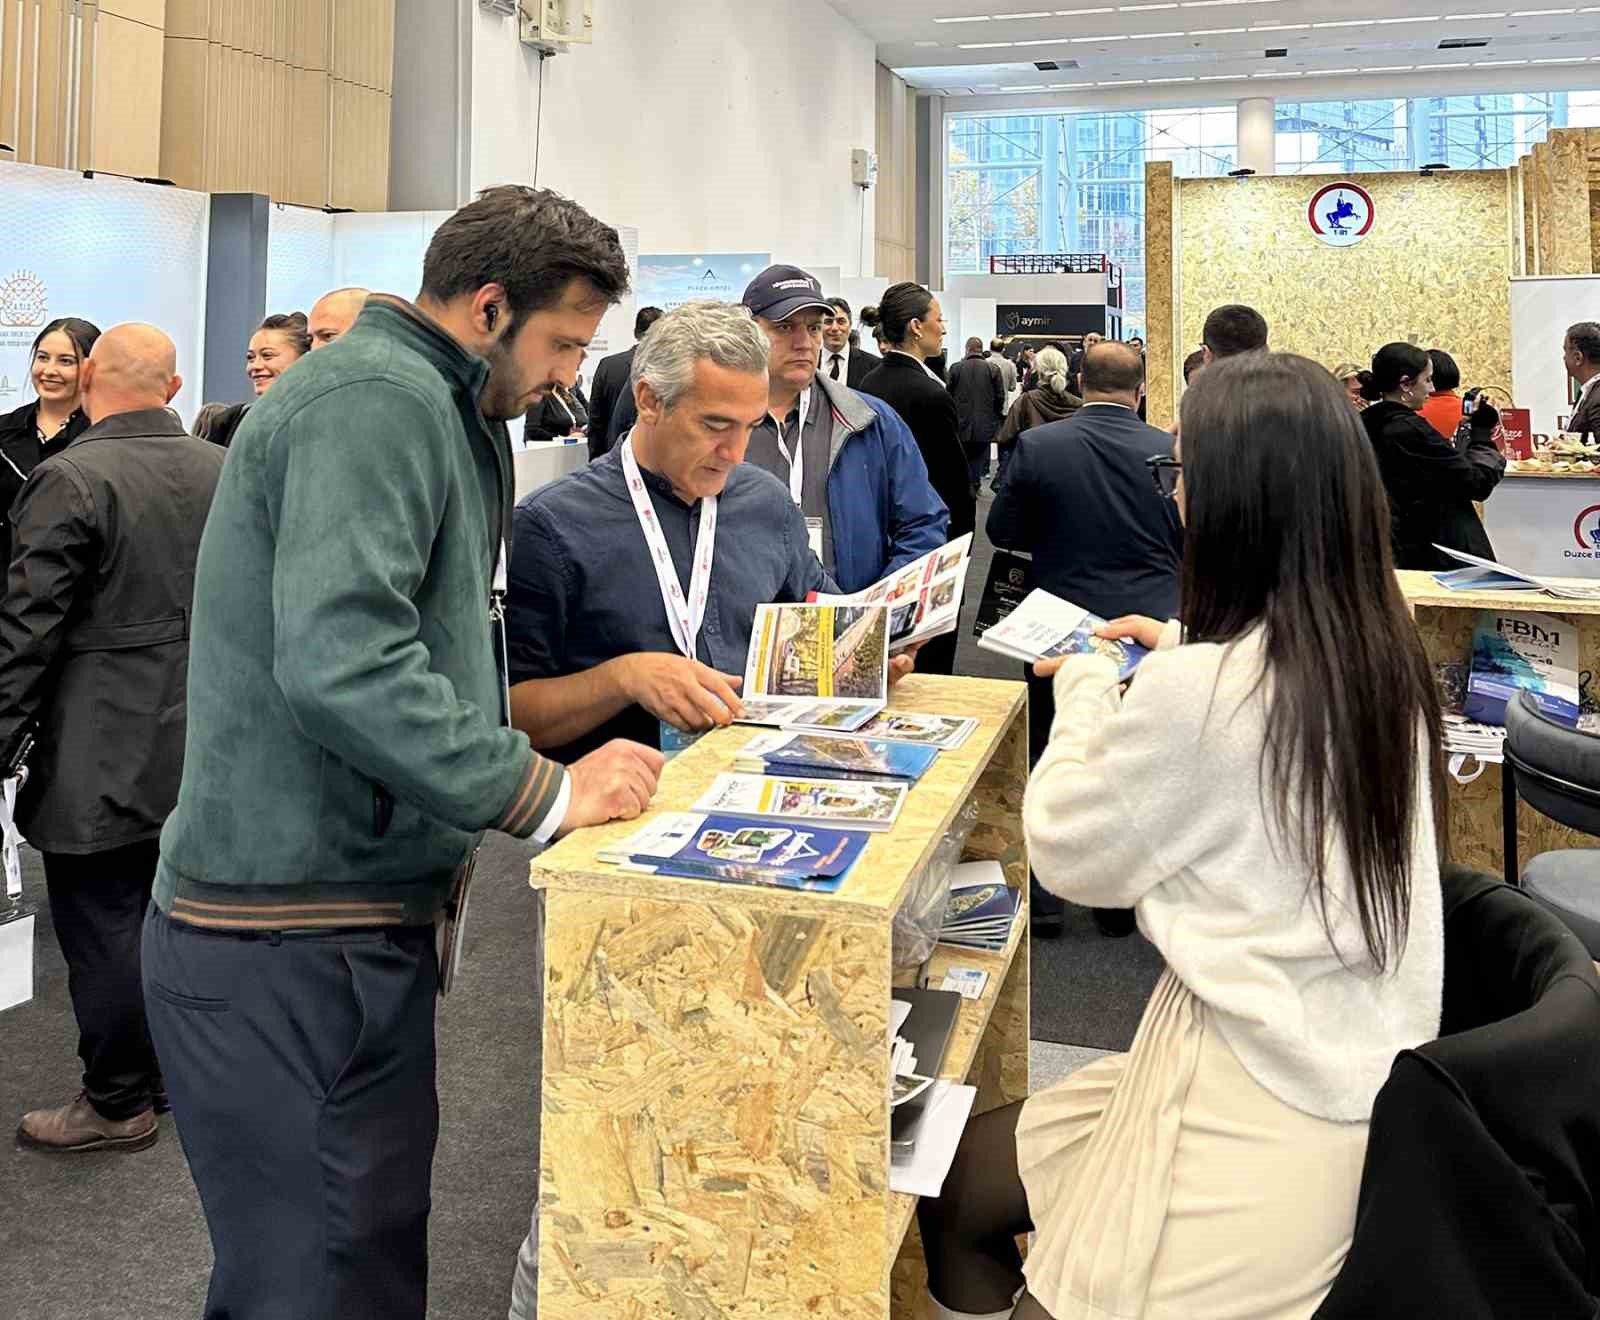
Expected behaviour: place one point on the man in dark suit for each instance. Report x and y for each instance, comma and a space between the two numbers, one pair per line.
1078, 497
611, 407
979, 389
1582, 347
840, 359
1075, 361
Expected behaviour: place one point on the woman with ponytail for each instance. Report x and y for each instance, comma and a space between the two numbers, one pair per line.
1431, 483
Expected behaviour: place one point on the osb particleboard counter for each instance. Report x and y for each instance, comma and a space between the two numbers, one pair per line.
714, 1138
1445, 619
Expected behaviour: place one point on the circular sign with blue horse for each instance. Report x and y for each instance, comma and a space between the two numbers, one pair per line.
1341, 214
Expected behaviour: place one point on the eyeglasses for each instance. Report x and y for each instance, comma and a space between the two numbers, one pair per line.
1166, 473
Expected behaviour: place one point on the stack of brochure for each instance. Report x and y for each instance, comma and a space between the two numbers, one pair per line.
759, 852
1464, 737
923, 597
1045, 626
816, 666
831, 803
982, 908
944, 731
828, 756
1489, 575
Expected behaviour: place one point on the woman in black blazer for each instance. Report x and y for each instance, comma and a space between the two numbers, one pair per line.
913, 332
46, 426
1431, 482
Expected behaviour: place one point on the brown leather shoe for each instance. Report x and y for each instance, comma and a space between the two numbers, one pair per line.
79, 1127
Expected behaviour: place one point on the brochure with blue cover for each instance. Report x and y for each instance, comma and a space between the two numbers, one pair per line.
824, 756
1045, 626
1535, 653
741, 850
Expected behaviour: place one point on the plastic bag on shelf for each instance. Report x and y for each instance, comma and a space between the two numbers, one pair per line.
921, 915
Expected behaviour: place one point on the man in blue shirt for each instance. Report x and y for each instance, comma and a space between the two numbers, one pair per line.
634, 582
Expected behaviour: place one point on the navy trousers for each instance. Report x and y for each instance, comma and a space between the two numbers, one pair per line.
301, 1074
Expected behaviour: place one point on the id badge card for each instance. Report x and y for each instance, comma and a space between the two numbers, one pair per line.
814, 536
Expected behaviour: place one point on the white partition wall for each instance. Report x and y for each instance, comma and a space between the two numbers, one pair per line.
1542, 307
104, 249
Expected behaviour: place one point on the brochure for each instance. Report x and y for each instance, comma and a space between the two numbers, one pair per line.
1044, 626
923, 597
842, 804
1535, 653
981, 909
1487, 575
817, 666
828, 756
943, 731
1010, 581
740, 850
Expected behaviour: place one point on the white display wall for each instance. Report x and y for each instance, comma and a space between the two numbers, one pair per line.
107, 250
1542, 307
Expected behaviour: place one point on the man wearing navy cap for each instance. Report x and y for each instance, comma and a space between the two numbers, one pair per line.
848, 460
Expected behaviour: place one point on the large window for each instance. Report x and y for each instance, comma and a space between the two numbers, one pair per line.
1071, 183
1464, 132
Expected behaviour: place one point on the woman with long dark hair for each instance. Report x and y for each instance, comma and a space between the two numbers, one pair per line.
1431, 483
277, 344
1267, 795
53, 419
913, 331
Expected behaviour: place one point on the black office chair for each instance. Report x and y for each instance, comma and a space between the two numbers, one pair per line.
1556, 771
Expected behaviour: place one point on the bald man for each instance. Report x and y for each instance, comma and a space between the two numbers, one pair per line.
334, 313
94, 648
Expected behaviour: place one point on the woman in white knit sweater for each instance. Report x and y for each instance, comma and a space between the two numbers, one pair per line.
1264, 795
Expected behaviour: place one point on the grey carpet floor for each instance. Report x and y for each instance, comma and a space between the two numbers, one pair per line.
121, 1237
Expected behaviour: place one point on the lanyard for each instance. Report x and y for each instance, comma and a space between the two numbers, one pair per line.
797, 459
683, 616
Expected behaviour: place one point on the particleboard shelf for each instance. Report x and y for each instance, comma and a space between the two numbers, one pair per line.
1445, 619
715, 1118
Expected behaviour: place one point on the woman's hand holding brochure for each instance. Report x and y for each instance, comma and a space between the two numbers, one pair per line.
1136, 628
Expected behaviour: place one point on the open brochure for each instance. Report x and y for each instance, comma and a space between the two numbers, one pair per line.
1487, 575
817, 666
833, 756
923, 597
943, 731
838, 803
1045, 626
739, 850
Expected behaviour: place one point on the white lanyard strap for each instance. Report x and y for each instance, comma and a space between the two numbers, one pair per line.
684, 616
10, 839
797, 459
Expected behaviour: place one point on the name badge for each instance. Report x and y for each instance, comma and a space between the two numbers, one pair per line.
814, 535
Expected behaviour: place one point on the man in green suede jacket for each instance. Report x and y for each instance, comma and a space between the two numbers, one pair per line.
347, 746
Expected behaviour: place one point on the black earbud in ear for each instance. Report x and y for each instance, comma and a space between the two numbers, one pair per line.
491, 314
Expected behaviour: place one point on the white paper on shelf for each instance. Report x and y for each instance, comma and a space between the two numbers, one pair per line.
977, 873
923, 1171
899, 1011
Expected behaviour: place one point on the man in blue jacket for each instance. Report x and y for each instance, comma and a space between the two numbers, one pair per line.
848, 460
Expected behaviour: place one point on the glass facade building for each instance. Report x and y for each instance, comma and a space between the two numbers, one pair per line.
1045, 182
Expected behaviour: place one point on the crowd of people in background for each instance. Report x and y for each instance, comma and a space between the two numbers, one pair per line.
246, 900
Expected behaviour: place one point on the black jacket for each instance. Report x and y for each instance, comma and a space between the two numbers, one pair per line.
858, 365
552, 419
21, 452
217, 422
1586, 416
607, 391
925, 406
94, 628
1078, 497
1432, 484
980, 394
1478, 1195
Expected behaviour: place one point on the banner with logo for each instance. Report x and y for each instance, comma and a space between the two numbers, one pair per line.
667, 280
104, 249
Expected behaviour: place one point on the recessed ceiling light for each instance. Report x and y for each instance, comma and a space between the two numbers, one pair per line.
1153, 81
1390, 68
983, 45
1032, 13
1215, 32
1497, 64
969, 18
1328, 73
927, 43
1467, 18
1152, 36
1563, 59
1043, 41
1343, 22
1540, 13
1412, 18
1074, 13
1062, 87
1140, 9
1120, 84
1120, 36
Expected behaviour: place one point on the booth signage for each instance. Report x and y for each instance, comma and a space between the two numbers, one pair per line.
1341, 214
1515, 437
1050, 319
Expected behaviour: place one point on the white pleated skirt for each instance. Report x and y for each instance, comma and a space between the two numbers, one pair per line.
1167, 1184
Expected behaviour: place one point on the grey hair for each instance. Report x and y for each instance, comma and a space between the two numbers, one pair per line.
1052, 369
724, 333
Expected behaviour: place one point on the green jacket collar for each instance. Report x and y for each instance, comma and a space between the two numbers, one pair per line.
398, 317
